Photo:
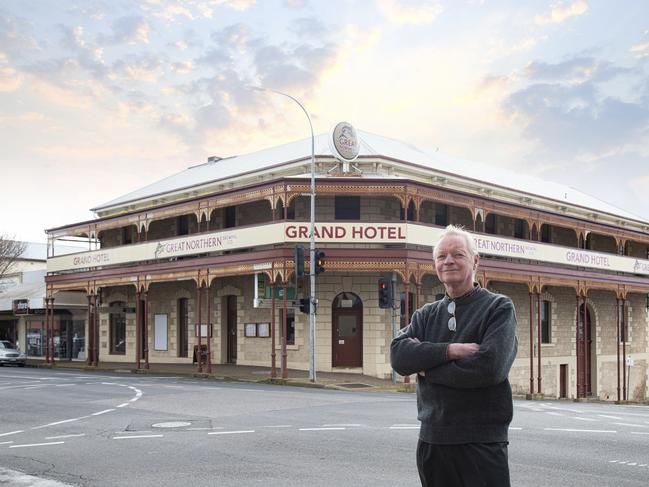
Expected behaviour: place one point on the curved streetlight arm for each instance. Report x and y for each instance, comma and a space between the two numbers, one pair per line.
312, 319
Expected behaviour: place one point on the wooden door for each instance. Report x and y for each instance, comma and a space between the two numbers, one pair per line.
347, 331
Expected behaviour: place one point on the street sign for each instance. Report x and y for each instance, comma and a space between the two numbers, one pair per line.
629, 361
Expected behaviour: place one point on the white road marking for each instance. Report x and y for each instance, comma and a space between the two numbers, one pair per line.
63, 436
122, 405
138, 436
12, 433
554, 414
321, 429
346, 425
573, 430
38, 444
102, 412
65, 385
631, 424
639, 433
6, 442
514, 428
583, 419
230, 432
60, 422
609, 417
632, 464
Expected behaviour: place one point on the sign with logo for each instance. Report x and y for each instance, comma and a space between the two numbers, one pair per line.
345, 142
21, 306
337, 233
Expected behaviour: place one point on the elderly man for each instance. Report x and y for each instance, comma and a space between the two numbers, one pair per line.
462, 347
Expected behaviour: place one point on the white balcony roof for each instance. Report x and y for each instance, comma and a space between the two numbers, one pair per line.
370, 145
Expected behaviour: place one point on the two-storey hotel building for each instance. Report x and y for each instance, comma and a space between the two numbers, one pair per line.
204, 261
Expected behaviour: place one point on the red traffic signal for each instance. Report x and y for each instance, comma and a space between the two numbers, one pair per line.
385, 293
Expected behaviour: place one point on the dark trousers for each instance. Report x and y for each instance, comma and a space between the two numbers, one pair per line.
468, 465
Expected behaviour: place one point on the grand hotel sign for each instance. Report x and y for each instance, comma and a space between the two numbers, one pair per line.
343, 233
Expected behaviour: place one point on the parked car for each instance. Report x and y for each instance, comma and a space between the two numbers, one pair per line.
10, 355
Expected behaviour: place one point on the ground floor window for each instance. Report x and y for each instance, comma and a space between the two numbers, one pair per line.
290, 325
117, 324
35, 339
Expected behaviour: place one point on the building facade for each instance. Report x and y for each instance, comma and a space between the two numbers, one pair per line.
199, 267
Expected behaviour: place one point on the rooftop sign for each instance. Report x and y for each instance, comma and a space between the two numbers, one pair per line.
345, 143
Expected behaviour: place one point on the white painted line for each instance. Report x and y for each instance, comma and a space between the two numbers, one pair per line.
63, 436
623, 463
584, 419
60, 422
102, 412
554, 414
321, 429
12, 433
345, 425
633, 464
26, 388
122, 405
65, 385
609, 417
639, 433
579, 431
514, 428
612, 461
632, 424
38, 444
134, 399
404, 427
6, 443
642, 465
230, 432
139, 436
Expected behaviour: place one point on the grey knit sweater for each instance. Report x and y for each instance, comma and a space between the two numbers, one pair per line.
467, 400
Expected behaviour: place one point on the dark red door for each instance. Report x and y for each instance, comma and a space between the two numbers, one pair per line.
347, 332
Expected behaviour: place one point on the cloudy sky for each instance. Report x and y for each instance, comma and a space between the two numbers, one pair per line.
101, 97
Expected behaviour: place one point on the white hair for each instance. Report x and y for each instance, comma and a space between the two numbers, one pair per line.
457, 231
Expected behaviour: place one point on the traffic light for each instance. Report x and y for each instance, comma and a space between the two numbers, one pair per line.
304, 305
319, 261
298, 258
385, 293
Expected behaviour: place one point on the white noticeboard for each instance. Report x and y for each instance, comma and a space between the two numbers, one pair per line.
629, 361
160, 332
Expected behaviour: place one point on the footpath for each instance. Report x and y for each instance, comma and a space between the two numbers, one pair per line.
243, 373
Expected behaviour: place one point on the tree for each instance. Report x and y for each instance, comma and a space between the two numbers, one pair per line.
10, 251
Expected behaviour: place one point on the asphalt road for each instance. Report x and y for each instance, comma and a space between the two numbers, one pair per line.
96, 429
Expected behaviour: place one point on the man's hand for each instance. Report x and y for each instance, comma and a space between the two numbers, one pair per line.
457, 351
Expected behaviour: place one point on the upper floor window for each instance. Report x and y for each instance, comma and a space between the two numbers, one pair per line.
348, 207
230, 217
441, 214
490, 224
411, 213
519, 229
127, 235
182, 224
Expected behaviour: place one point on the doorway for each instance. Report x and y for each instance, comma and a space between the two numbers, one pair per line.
231, 327
585, 359
347, 331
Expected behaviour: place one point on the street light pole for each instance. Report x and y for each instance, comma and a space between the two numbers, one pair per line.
312, 328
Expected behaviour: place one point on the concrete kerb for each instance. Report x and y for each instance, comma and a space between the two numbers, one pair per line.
328, 383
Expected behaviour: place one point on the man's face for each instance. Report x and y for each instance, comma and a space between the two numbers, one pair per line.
453, 262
